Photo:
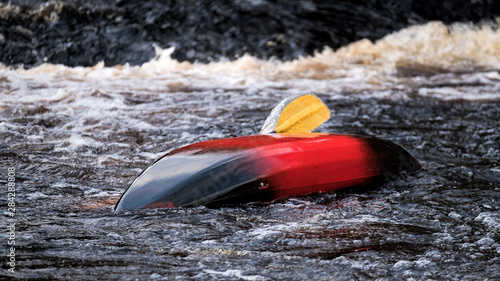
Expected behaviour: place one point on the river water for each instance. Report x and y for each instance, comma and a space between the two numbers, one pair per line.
78, 136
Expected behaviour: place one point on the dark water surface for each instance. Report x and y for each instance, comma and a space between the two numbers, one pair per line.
78, 136
440, 223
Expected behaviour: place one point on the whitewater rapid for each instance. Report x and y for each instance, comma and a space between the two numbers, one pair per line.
78, 136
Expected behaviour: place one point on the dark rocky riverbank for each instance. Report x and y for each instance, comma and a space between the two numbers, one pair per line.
76, 32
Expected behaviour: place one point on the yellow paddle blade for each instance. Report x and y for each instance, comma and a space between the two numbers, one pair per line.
296, 114
302, 115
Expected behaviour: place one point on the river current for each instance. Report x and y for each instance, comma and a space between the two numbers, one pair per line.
78, 136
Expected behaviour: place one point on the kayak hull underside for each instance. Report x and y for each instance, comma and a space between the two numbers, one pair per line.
264, 168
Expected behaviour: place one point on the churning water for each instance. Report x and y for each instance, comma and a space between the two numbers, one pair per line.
78, 136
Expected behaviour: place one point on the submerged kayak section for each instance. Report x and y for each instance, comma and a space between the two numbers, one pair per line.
264, 168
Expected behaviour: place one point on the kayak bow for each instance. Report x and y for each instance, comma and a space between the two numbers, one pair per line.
264, 168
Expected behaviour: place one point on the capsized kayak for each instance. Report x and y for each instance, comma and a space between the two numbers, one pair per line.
264, 168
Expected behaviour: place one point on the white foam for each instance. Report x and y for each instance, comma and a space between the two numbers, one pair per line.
422, 262
450, 94
491, 220
262, 233
235, 273
115, 235
486, 241
402, 264
93, 192
36, 195
361, 67
156, 276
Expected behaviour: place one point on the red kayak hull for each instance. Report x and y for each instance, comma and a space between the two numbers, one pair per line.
265, 168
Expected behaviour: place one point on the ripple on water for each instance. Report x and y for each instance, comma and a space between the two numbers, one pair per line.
78, 136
